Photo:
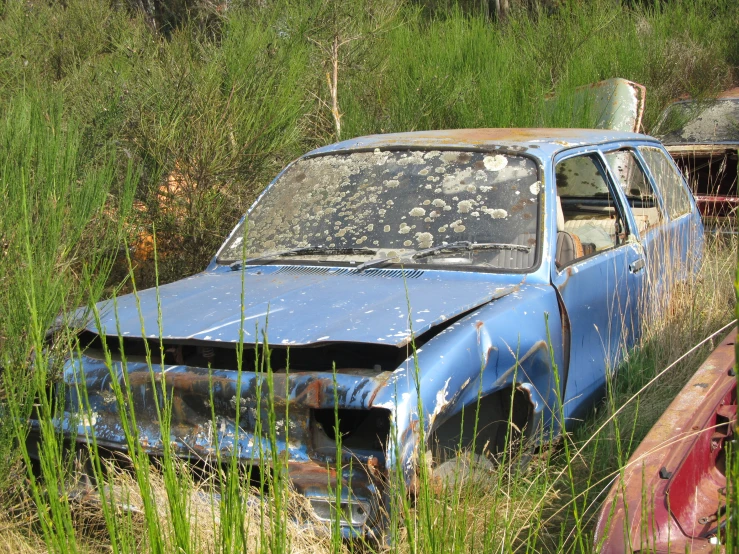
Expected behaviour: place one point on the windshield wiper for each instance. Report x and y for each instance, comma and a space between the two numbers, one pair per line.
467, 245
305, 250
458, 245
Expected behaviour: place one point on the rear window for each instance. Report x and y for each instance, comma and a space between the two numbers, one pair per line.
637, 189
668, 181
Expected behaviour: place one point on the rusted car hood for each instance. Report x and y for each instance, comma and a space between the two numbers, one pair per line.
300, 305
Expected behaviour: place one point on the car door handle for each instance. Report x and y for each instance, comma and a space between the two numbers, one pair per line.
637, 265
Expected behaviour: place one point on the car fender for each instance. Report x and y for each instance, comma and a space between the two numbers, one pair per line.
502, 345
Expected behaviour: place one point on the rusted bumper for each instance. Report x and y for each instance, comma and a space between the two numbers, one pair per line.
280, 416
672, 490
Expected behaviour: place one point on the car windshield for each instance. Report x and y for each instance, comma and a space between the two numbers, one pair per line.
692, 122
361, 206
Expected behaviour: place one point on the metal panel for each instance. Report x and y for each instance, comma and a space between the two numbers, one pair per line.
666, 500
302, 308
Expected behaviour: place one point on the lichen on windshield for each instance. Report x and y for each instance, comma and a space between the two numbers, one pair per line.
399, 201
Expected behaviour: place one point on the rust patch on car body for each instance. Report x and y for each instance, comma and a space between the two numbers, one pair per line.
668, 497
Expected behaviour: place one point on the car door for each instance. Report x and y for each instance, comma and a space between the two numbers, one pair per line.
648, 214
681, 252
600, 286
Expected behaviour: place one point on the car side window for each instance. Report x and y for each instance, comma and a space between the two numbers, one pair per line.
637, 189
589, 219
668, 181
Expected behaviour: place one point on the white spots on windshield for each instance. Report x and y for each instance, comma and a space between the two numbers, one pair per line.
425, 240
390, 198
495, 163
458, 181
496, 213
380, 156
414, 158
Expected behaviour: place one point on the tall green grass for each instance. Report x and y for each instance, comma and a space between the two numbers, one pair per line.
60, 233
100, 112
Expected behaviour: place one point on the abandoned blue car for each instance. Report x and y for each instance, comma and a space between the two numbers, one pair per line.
396, 282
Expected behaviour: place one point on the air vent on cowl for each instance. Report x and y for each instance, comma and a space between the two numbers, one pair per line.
382, 273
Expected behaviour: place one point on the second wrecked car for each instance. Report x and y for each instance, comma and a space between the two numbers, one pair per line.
396, 280
703, 137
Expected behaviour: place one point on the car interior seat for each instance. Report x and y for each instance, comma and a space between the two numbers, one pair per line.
569, 247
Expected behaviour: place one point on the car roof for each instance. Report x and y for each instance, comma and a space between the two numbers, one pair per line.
538, 142
712, 123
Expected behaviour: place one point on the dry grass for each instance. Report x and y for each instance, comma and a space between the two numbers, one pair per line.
13, 539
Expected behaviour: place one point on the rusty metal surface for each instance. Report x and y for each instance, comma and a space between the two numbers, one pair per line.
699, 149
668, 496
615, 104
700, 122
703, 137
536, 142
